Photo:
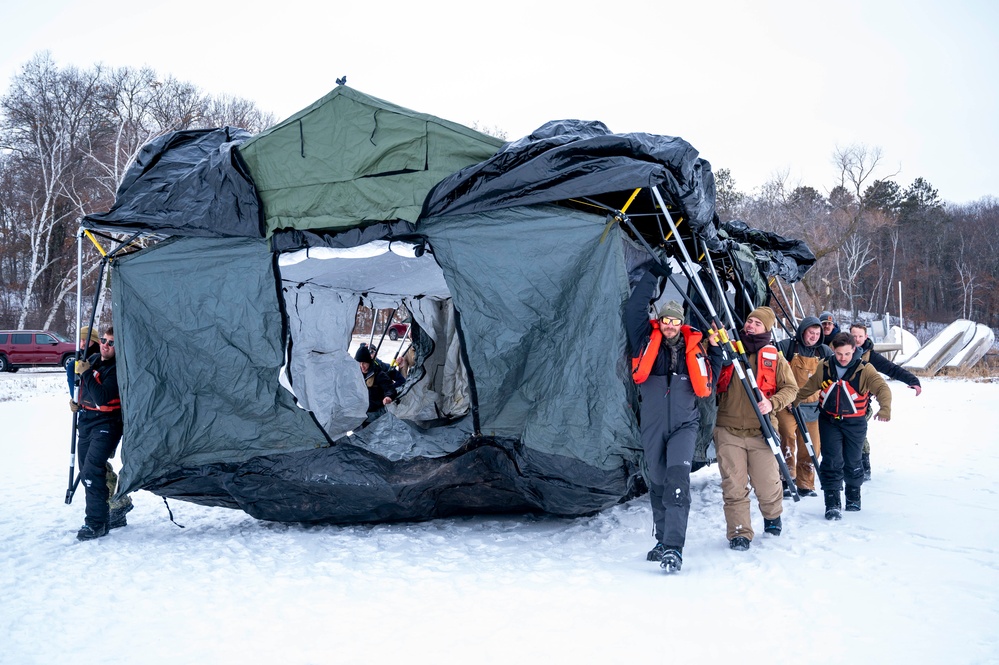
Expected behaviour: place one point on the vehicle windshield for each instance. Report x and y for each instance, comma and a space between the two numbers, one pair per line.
61, 338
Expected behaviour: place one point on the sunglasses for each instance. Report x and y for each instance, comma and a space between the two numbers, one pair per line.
107, 342
669, 320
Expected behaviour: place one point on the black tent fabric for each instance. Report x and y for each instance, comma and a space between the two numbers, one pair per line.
776, 256
188, 183
564, 159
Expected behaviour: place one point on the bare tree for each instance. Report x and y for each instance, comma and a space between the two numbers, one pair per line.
46, 114
853, 256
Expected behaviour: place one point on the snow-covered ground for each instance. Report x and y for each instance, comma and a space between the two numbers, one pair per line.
913, 578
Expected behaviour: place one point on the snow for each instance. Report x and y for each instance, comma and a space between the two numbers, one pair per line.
914, 577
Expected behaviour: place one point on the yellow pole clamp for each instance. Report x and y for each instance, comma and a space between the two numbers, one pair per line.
96, 244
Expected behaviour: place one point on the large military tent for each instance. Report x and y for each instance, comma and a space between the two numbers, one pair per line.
237, 384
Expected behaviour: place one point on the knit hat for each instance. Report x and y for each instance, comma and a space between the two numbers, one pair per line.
672, 309
766, 315
363, 355
826, 316
86, 332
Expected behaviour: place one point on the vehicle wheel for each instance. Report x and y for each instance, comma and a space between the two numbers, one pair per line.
393, 335
4, 364
68, 360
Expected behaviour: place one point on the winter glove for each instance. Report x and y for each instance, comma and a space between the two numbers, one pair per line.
659, 269
73, 406
81, 366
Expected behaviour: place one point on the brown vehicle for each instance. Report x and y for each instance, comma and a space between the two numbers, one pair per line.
34, 348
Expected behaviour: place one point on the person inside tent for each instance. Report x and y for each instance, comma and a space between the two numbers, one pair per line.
381, 390
865, 349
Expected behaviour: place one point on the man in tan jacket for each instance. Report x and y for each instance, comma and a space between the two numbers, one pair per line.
744, 457
845, 384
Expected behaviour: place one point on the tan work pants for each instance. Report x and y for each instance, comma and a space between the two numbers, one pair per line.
796, 456
745, 462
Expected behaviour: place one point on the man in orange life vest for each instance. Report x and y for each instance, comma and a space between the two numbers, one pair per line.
845, 384
670, 367
744, 457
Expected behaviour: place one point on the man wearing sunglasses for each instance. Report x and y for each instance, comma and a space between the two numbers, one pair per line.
672, 371
99, 428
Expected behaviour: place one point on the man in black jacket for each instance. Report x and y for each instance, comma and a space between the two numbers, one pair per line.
669, 365
865, 351
381, 390
99, 427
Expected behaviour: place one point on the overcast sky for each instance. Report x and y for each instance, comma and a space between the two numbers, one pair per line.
761, 88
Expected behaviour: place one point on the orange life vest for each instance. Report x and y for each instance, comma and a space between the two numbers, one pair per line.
841, 398
698, 368
766, 372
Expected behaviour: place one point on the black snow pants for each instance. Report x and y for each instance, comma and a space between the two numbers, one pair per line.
669, 435
99, 435
842, 448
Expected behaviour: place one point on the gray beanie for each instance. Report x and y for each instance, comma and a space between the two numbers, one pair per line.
671, 309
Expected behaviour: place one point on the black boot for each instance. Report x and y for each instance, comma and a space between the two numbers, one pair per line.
116, 518
656, 553
91, 532
739, 543
772, 526
865, 459
832, 504
672, 560
852, 498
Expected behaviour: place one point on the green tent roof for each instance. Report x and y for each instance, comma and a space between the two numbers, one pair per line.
351, 160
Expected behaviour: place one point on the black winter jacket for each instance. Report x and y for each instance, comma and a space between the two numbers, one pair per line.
884, 365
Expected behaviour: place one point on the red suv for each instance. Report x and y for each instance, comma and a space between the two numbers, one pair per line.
33, 348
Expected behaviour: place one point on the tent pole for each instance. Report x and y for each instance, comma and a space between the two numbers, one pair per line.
746, 376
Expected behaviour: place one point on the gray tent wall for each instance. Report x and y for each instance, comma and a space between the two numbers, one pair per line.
540, 291
201, 348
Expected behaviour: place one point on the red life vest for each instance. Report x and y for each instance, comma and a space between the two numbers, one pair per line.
766, 372
698, 368
841, 398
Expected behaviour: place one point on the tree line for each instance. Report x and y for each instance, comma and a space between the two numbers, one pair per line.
868, 234
67, 135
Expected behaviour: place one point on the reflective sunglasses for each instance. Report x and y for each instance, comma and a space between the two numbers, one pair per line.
671, 321
107, 342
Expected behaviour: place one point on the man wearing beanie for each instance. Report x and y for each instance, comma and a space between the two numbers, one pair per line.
744, 457
381, 390
672, 372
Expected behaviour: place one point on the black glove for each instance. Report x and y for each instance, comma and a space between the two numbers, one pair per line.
659, 269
